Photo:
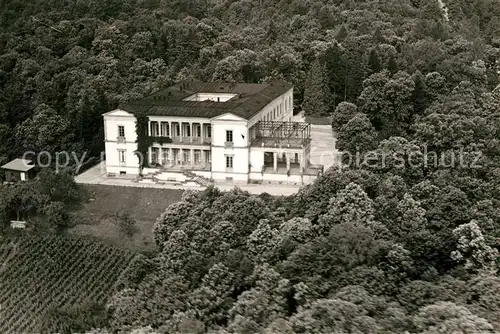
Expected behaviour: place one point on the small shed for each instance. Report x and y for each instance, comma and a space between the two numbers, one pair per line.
19, 170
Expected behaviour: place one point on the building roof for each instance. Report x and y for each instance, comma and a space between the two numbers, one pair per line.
20, 165
250, 99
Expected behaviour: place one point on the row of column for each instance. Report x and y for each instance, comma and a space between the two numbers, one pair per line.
287, 156
180, 152
181, 128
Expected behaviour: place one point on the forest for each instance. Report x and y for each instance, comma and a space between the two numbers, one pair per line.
408, 245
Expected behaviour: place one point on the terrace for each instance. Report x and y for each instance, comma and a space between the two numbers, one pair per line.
280, 134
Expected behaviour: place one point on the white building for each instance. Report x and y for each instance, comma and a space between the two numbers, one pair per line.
234, 132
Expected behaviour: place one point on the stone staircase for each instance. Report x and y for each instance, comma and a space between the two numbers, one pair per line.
190, 178
198, 179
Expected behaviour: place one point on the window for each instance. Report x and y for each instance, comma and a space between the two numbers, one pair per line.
164, 129
198, 130
121, 131
121, 156
178, 129
188, 130
209, 131
154, 129
229, 136
229, 161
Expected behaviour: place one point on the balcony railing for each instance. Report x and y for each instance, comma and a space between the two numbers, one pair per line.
120, 140
194, 141
229, 144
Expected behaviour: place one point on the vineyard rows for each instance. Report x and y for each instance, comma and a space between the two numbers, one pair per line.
42, 273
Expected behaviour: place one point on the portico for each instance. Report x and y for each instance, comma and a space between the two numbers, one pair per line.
178, 157
182, 132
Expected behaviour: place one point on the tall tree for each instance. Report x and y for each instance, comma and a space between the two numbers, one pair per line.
374, 62
317, 99
336, 72
358, 135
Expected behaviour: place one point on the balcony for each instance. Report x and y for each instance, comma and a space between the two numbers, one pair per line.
182, 140
292, 143
120, 140
229, 144
279, 134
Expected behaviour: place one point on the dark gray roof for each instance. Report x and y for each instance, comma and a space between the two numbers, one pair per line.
20, 165
250, 99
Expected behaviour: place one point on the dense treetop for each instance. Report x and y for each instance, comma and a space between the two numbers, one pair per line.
67, 62
405, 243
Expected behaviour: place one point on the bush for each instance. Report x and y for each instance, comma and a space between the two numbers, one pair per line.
125, 224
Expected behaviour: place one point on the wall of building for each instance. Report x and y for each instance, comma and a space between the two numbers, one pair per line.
256, 160
112, 121
115, 119
240, 159
239, 151
286, 102
221, 177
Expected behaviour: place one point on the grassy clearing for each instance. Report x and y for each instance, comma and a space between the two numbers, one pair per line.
142, 204
318, 120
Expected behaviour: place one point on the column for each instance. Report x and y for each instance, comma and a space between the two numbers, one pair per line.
170, 130
191, 133
202, 155
287, 161
191, 153
160, 155
171, 155
150, 155
275, 161
202, 133
149, 128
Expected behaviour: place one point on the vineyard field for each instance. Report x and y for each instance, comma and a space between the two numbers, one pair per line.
43, 273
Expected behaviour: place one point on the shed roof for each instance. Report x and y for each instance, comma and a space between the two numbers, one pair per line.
20, 165
250, 98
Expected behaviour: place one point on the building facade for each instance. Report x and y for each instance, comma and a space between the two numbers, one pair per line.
221, 131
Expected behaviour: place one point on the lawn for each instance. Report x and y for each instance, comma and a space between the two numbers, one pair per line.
144, 205
318, 120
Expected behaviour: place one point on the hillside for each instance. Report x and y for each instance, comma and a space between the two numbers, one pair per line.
64, 63
403, 236
41, 276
